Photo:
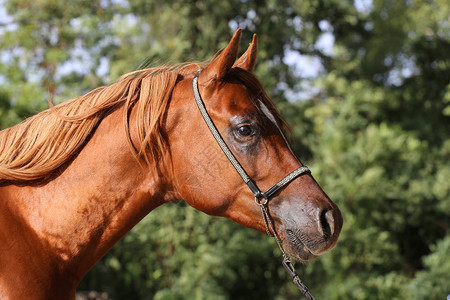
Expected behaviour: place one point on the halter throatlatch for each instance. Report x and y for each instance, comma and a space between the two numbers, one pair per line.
262, 199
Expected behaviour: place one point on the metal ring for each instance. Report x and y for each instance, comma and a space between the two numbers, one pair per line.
260, 202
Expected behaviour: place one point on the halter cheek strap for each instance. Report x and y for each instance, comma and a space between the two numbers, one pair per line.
261, 198
247, 179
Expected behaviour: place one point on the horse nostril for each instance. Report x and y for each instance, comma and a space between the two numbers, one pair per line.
327, 223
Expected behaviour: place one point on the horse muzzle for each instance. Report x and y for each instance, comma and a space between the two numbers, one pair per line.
309, 231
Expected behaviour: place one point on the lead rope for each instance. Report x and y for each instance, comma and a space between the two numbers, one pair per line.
287, 264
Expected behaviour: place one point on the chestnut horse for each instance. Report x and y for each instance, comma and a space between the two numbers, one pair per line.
75, 178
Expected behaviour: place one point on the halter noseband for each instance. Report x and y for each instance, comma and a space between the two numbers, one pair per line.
261, 198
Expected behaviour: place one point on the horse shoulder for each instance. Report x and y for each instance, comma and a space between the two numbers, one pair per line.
25, 266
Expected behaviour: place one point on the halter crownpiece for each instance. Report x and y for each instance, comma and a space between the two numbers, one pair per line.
261, 198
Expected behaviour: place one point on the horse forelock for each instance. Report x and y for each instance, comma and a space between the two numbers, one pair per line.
37, 147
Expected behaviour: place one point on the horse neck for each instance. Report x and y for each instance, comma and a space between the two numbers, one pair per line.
99, 197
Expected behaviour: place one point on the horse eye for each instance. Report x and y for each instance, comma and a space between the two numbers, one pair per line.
245, 130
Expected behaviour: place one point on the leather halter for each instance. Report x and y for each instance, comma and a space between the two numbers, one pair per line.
261, 198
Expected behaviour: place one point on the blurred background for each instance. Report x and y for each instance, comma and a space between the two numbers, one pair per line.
363, 84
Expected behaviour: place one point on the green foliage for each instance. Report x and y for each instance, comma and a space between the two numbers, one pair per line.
432, 282
374, 127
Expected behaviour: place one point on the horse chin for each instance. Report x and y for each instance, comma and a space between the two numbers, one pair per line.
296, 246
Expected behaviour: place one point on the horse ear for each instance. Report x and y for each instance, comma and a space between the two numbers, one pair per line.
248, 60
219, 67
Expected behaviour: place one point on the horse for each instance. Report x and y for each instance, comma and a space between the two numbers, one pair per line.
75, 178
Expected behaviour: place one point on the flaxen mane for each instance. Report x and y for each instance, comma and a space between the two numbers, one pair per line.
42, 143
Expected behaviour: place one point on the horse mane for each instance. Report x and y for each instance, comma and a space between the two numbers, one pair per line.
37, 147
42, 143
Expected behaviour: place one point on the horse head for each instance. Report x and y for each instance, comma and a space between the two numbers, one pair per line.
305, 219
